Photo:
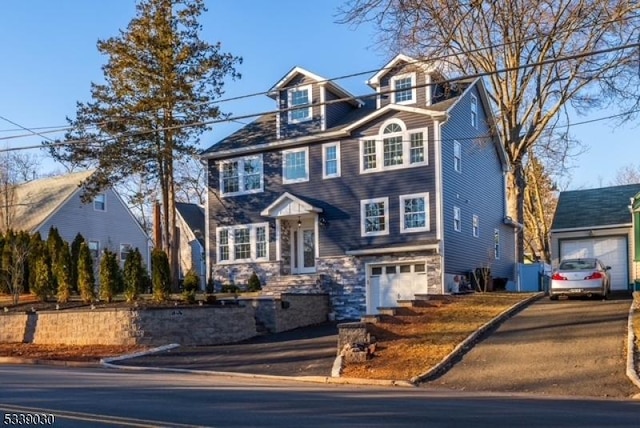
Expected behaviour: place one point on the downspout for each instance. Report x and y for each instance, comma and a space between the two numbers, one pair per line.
437, 154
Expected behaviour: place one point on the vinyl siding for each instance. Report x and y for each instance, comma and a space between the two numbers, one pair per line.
111, 228
479, 190
336, 111
405, 69
338, 197
289, 130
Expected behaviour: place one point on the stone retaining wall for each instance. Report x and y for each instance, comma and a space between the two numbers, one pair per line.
188, 326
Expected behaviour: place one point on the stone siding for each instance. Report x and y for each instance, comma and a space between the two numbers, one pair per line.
239, 274
344, 278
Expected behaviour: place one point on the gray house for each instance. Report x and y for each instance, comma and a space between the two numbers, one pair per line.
191, 224
105, 223
370, 200
597, 223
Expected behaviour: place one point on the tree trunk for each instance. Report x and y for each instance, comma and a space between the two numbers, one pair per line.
515, 197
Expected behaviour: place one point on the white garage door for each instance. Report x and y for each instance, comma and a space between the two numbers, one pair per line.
390, 283
611, 250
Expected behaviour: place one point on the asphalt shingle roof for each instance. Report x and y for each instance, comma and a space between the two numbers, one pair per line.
594, 207
36, 200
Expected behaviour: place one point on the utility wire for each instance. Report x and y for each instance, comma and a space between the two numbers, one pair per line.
417, 61
54, 143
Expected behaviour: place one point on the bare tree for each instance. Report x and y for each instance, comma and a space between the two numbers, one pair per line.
540, 58
18, 249
190, 185
15, 168
628, 174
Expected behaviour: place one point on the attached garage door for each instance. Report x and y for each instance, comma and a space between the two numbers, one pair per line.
392, 282
611, 250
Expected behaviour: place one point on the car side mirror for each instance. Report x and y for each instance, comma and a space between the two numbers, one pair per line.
607, 268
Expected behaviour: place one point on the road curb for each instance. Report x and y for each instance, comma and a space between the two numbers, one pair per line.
107, 362
41, 362
632, 350
468, 343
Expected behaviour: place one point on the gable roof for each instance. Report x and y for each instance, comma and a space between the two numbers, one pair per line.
193, 216
606, 206
374, 81
335, 88
35, 201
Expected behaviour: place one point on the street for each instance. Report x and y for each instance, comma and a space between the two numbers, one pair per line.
105, 397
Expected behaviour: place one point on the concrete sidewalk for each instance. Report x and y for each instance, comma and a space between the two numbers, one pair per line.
307, 351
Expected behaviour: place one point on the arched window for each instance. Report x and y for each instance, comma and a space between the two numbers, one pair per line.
391, 128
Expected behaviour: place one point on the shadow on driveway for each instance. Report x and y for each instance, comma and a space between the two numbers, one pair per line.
306, 351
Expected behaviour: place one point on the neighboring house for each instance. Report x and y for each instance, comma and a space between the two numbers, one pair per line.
190, 222
597, 223
105, 223
372, 200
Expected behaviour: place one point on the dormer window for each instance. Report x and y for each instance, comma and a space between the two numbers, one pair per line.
300, 96
404, 87
474, 111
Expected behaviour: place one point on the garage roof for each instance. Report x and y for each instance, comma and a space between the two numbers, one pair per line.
594, 207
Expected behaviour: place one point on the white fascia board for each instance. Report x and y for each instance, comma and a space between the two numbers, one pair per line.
408, 248
586, 229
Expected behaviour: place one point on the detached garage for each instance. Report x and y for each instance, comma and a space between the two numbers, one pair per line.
597, 223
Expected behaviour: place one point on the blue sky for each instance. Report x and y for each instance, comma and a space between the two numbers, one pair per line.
50, 58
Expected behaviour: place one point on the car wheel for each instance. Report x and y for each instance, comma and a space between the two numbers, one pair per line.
552, 297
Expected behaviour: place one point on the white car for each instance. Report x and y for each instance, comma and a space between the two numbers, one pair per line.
580, 277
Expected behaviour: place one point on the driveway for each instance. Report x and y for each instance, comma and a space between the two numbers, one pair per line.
308, 351
567, 347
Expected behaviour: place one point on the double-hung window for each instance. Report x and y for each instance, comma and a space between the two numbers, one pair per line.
299, 97
125, 249
394, 147
474, 111
331, 160
241, 176
414, 213
457, 222
457, 157
100, 202
374, 217
248, 242
295, 165
496, 244
404, 88
94, 249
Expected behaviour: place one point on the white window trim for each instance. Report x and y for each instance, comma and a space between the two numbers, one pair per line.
457, 154
104, 195
306, 165
426, 227
120, 252
292, 107
252, 241
475, 226
363, 204
474, 111
496, 244
392, 83
405, 134
324, 160
241, 176
457, 219
97, 256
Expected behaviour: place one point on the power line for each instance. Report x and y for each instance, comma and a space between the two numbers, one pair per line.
418, 61
338, 100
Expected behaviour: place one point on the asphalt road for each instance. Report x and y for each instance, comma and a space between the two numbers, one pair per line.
567, 347
105, 397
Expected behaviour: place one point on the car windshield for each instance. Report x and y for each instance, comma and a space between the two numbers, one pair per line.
578, 265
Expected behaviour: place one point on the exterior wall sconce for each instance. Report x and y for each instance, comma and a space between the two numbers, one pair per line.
299, 222
324, 222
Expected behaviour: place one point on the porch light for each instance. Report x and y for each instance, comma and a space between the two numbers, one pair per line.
324, 222
299, 222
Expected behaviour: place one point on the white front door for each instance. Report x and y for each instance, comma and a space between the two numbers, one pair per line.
303, 249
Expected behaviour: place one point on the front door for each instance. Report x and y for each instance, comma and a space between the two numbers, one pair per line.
303, 249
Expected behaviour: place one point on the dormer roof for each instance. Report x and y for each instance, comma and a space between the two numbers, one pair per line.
333, 87
374, 81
